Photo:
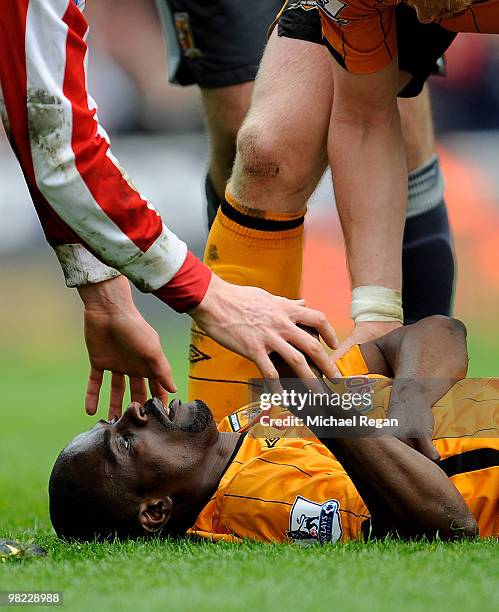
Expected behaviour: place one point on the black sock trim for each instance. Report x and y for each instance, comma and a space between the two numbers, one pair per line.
258, 223
212, 200
470, 461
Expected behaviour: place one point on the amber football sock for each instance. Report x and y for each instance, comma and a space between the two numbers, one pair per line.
245, 247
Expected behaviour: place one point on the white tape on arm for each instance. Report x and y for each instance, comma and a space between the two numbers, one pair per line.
373, 303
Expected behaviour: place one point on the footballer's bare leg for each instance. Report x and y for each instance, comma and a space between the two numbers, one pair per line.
281, 147
225, 109
257, 236
417, 128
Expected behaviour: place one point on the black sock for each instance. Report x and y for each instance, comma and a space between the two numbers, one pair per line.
213, 200
427, 265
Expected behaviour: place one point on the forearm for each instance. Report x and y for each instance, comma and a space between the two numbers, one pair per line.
370, 183
405, 492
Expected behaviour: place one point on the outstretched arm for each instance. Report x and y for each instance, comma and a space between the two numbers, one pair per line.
86, 201
368, 161
82, 195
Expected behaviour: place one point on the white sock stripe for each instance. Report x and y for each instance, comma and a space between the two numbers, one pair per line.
426, 188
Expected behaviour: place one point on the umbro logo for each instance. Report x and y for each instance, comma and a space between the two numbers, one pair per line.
271, 442
196, 355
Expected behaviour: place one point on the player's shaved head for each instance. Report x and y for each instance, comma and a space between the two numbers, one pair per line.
120, 478
84, 503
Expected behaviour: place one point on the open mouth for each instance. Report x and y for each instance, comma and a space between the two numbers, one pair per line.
172, 409
156, 406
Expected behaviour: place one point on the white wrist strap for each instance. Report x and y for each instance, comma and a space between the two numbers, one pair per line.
373, 303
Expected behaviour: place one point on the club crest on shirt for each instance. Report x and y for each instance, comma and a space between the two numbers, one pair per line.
244, 417
271, 442
332, 8
196, 354
185, 35
313, 523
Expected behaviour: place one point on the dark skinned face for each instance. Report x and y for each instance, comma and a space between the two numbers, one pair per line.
157, 454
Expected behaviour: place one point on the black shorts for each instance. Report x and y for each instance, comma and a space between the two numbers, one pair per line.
215, 43
420, 59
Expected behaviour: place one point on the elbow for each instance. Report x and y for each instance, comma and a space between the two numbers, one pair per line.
470, 529
453, 521
449, 324
460, 528
454, 329
446, 519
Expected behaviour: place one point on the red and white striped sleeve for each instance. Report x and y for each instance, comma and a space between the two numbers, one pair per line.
83, 198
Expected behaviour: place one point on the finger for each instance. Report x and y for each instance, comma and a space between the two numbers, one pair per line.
162, 373
268, 372
117, 394
138, 391
426, 447
309, 345
297, 362
407, 441
158, 391
300, 302
93, 389
318, 320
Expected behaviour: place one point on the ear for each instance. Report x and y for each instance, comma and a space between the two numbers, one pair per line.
155, 513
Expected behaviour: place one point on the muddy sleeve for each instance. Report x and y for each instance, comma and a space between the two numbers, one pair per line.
87, 204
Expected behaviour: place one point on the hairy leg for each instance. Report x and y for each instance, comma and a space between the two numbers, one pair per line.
417, 128
225, 109
257, 236
281, 147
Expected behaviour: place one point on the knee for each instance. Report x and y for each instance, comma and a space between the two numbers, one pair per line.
267, 153
257, 153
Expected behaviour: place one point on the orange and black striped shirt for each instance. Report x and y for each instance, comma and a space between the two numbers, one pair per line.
283, 485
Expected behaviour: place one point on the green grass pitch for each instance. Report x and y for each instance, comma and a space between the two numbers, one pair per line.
41, 410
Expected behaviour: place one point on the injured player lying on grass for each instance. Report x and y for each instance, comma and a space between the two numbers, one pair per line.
172, 472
